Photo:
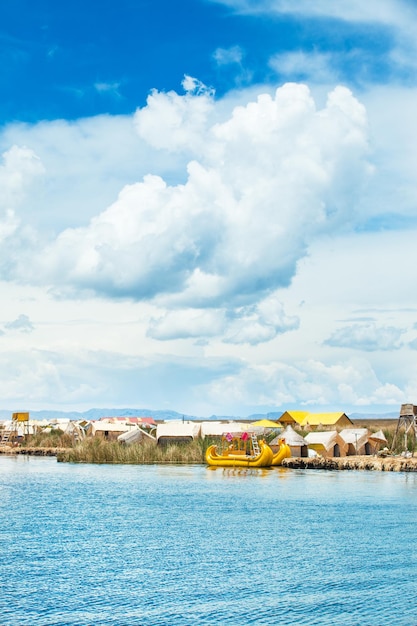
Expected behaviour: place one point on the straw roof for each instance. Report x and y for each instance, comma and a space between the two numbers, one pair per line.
217, 429
325, 440
378, 436
291, 438
356, 436
110, 428
175, 428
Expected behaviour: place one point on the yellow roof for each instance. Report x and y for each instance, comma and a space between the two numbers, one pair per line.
266, 424
326, 419
297, 416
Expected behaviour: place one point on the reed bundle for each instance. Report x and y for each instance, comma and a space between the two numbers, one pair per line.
95, 450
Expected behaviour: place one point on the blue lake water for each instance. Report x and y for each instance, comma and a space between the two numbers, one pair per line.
184, 545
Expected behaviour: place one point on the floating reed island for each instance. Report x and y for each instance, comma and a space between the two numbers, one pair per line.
334, 443
185, 454
373, 463
33, 451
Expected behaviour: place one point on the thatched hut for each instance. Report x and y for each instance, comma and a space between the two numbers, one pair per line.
107, 431
327, 443
357, 440
217, 429
297, 443
135, 435
177, 432
376, 441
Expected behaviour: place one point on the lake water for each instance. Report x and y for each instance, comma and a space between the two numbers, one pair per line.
185, 545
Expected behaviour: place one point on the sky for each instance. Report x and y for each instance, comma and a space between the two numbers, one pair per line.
208, 206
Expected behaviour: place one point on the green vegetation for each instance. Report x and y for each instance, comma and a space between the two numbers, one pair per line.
389, 428
97, 450
403, 443
270, 436
54, 438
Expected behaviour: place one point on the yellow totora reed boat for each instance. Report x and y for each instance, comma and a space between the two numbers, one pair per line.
284, 452
240, 450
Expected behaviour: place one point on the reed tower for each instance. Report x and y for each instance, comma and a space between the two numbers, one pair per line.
407, 426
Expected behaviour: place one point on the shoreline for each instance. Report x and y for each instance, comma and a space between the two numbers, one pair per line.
347, 463
9, 451
370, 463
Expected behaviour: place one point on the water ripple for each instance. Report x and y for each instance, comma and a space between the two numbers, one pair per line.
154, 546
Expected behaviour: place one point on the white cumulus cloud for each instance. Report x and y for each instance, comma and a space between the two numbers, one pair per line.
310, 383
374, 11
174, 122
367, 337
252, 324
20, 169
275, 174
21, 324
317, 66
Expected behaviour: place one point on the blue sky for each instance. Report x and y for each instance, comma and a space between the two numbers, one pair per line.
207, 206
78, 59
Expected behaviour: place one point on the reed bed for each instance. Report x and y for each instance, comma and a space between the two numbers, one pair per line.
143, 453
54, 438
95, 450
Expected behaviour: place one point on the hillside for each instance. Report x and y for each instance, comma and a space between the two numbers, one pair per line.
163, 415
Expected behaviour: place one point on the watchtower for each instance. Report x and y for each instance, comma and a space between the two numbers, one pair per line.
19, 427
407, 424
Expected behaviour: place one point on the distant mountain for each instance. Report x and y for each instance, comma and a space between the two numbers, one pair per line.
95, 414
274, 415
161, 415
374, 416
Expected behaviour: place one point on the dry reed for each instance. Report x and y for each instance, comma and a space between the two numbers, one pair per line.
143, 453
54, 438
95, 450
